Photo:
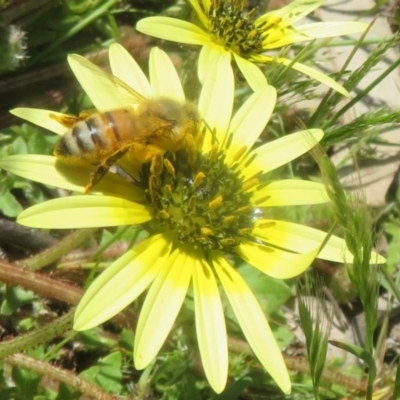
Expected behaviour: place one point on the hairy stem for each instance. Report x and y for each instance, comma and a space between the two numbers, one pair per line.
61, 375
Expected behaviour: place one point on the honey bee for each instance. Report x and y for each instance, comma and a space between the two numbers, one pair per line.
147, 129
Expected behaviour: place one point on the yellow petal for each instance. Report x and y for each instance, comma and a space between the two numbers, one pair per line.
319, 30
41, 118
291, 13
290, 192
253, 75
84, 212
313, 73
210, 54
275, 262
300, 238
250, 120
210, 325
106, 91
199, 11
253, 323
122, 282
173, 29
163, 76
124, 67
161, 307
216, 101
48, 170
281, 151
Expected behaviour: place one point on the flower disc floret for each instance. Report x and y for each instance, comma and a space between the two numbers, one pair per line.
203, 205
235, 30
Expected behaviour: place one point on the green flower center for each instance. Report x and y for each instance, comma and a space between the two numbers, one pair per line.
204, 204
234, 29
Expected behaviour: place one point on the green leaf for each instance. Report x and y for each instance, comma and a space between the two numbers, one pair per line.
358, 352
236, 389
9, 205
15, 298
19, 146
283, 336
27, 382
107, 373
270, 292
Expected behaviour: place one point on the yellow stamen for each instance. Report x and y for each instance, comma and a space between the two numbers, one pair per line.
240, 153
215, 203
198, 180
229, 219
228, 241
245, 209
266, 225
252, 34
214, 152
164, 214
262, 200
249, 184
206, 231
192, 201
168, 189
169, 167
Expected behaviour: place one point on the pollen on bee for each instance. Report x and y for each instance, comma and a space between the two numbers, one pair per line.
215, 203
156, 165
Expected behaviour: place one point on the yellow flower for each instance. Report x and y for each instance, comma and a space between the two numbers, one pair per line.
224, 29
199, 216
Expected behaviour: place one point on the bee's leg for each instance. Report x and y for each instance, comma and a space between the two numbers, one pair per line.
156, 168
103, 168
157, 164
192, 146
87, 113
66, 120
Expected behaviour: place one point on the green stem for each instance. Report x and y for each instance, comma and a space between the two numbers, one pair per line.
60, 375
41, 284
322, 106
52, 254
391, 283
301, 364
362, 94
32, 339
109, 242
76, 28
46, 286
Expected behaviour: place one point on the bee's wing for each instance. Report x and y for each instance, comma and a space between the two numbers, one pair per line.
106, 91
150, 127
